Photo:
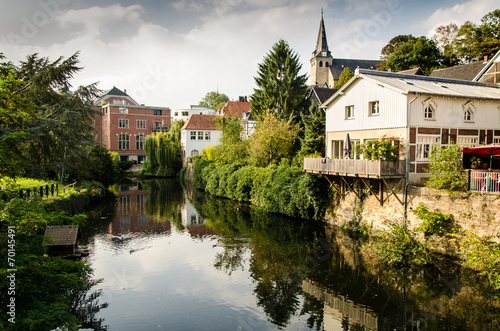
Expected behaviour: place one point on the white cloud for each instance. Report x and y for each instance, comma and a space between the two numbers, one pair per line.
472, 11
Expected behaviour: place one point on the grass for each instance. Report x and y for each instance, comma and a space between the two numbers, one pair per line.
20, 183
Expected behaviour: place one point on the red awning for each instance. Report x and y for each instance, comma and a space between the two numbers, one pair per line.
490, 149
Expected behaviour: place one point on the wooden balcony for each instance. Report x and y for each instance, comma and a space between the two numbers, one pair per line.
356, 168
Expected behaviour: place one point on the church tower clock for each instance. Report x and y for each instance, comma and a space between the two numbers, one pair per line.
321, 58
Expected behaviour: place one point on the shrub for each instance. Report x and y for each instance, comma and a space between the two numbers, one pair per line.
399, 247
446, 170
433, 222
483, 256
199, 180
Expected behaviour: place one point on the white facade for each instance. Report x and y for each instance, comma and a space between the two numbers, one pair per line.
183, 114
415, 111
194, 141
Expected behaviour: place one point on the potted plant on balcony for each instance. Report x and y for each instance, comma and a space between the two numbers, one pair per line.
475, 162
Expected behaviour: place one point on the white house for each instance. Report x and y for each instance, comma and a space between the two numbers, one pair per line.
416, 111
198, 133
183, 114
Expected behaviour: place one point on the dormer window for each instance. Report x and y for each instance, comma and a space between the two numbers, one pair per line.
323, 54
429, 110
469, 111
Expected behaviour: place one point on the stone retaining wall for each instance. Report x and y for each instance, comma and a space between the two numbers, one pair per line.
472, 211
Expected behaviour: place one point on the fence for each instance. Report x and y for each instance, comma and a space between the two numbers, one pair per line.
484, 181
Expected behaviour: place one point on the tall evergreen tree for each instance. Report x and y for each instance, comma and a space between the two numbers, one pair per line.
313, 141
280, 86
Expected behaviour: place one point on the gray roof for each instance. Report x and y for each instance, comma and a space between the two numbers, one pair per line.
321, 94
338, 65
321, 43
434, 85
406, 84
60, 235
464, 71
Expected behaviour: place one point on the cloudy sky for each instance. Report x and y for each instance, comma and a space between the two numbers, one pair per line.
172, 52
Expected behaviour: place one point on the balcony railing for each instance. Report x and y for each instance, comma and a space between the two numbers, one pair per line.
160, 128
349, 167
484, 181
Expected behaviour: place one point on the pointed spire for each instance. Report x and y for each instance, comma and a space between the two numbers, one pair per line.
321, 43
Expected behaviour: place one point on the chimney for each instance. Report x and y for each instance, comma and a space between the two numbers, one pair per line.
485, 59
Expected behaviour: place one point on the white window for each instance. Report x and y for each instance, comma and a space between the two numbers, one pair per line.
122, 123
200, 135
466, 142
429, 112
425, 145
193, 135
194, 152
123, 141
337, 149
141, 124
139, 141
349, 112
374, 108
122, 110
496, 140
469, 111
207, 135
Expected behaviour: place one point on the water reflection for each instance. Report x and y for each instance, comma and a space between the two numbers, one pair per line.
179, 259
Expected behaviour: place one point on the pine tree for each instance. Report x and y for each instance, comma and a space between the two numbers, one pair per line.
280, 87
313, 141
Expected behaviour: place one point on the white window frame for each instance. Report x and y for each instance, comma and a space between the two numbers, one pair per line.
425, 145
429, 115
141, 124
193, 135
467, 141
139, 141
337, 149
195, 152
200, 135
374, 108
207, 135
123, 123
122, 110
469, 111
349, 112
123, 142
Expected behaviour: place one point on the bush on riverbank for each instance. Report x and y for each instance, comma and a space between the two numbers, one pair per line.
286, 190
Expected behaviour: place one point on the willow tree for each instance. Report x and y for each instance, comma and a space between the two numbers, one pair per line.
163, 151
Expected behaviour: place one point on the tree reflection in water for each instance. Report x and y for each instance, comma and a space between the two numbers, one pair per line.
285, 251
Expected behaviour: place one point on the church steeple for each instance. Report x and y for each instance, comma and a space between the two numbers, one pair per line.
321, 58
322, 44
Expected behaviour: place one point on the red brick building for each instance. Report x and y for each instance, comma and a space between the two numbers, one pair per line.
124, 124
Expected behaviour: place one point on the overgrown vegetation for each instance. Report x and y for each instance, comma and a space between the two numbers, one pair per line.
445, 167
163, 151
286, 190
50, 291
433, 222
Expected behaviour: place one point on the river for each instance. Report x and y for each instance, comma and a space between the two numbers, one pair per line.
169, 258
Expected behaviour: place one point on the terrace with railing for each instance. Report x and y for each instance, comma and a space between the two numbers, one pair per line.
356, 168
484, 181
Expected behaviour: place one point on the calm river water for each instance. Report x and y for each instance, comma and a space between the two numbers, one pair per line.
176, 259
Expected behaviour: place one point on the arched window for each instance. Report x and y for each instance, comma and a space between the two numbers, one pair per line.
123, 141
469, 111
194, 152
429, 109
321, 64
429, 112
326, 64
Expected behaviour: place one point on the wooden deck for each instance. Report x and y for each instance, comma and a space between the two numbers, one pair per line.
356, 168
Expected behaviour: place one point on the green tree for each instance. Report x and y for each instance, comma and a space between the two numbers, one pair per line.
272, 140
214, 100
280, 86
313, 141
345, 76
475, 41
163, 152
390, 47
57, 125
422, 52
446, 170
232, 147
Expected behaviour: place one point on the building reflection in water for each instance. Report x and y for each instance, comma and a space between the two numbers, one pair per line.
193, 223
338, 310
131, 214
